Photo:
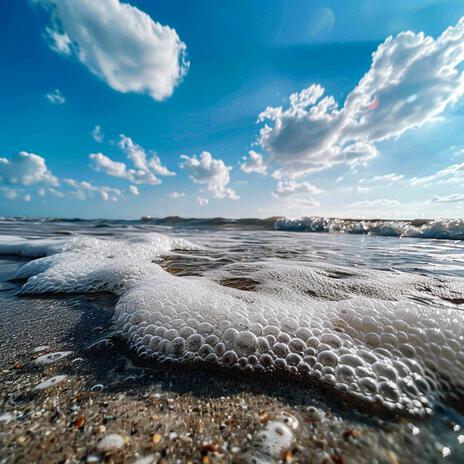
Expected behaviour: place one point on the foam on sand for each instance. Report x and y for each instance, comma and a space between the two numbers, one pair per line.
363, 333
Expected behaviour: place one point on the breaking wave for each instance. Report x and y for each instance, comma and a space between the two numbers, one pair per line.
450, 229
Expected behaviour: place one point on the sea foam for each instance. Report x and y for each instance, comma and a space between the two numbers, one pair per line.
387, 338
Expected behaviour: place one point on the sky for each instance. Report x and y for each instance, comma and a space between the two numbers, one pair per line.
233, 108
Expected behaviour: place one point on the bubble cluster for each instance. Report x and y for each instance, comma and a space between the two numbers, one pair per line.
352, 331
397, 354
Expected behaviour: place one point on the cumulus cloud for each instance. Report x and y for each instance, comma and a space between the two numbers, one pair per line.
97, 134
210, 172
413, 78
56, 97
134, 190
177, 195
253, 163
202, 201
112, 168
83, 190
454, 198
146, 165
139, 157
119, 43
292, 187
25, 169
453, 174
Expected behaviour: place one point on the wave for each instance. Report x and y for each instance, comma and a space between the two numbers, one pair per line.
450, 229
445, 229
359, 332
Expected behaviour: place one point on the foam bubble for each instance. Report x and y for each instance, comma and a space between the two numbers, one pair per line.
358, 332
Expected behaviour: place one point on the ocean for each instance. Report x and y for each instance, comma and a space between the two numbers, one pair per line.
366, 316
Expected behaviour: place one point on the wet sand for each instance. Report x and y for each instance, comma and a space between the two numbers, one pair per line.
171, 416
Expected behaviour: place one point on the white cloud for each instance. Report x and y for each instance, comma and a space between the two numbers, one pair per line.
9, 193
56, 193
362, 189
134, 190
376, 203
27, 197
392, 177
412, 80
139, 157
56, 97
25, 169
83, 190
144, 168
292, 187
453, 174
119, 43
97, 134
60, 43
385, 180
459, 152
177, 195
42, 192
454, 198
254, 163
202, 201
112, 168
211, 172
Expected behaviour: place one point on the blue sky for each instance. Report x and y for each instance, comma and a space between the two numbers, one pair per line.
173, 135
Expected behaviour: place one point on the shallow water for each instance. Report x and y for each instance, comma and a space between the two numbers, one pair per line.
385, 309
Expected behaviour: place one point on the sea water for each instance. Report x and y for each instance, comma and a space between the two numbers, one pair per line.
378, 319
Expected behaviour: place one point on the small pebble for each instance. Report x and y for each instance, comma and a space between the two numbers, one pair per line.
5, 418
92, 458
150, 459
110, 442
